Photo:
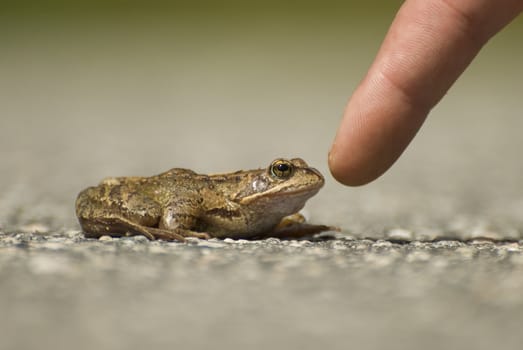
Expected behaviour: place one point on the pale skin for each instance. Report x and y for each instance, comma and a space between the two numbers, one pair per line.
429, 44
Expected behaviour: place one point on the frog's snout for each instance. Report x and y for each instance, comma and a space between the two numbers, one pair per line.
318, 174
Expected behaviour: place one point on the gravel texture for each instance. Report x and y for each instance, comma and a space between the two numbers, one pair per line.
62, 291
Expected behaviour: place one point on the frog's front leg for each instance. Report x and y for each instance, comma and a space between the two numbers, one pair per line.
181, 216
291, 220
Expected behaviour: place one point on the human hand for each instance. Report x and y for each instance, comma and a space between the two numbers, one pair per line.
429, 44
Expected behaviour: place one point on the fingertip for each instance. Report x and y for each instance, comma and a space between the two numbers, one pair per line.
345, 172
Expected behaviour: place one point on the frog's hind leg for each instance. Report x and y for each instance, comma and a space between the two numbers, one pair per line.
118, 226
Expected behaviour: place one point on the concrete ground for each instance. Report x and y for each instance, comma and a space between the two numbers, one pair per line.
430, 255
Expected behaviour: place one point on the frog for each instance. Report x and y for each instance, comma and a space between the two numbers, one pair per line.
180, 203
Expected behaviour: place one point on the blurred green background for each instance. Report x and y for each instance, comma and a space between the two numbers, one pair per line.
91, 89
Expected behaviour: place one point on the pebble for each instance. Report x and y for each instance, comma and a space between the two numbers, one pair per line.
400, 234
140, 239
210, 244
446, 244
382, 244
511, 247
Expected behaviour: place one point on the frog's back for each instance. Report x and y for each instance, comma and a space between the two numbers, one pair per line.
179, 182
118, 192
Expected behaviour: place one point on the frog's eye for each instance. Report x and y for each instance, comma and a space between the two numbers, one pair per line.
281, 169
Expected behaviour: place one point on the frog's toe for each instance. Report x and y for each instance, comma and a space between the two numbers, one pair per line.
291, 220
201, 235
167, 235
143, 232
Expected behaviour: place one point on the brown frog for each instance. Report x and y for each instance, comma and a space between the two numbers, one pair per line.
181, 203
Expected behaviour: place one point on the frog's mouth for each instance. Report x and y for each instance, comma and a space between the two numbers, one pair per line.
276, 192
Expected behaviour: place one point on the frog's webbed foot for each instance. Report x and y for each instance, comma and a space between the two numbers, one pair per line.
294, 226
166, 235
299, 231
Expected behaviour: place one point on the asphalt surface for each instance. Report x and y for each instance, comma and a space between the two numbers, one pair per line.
430, 256
62, 291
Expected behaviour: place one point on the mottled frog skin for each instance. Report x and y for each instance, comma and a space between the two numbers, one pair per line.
181, 203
